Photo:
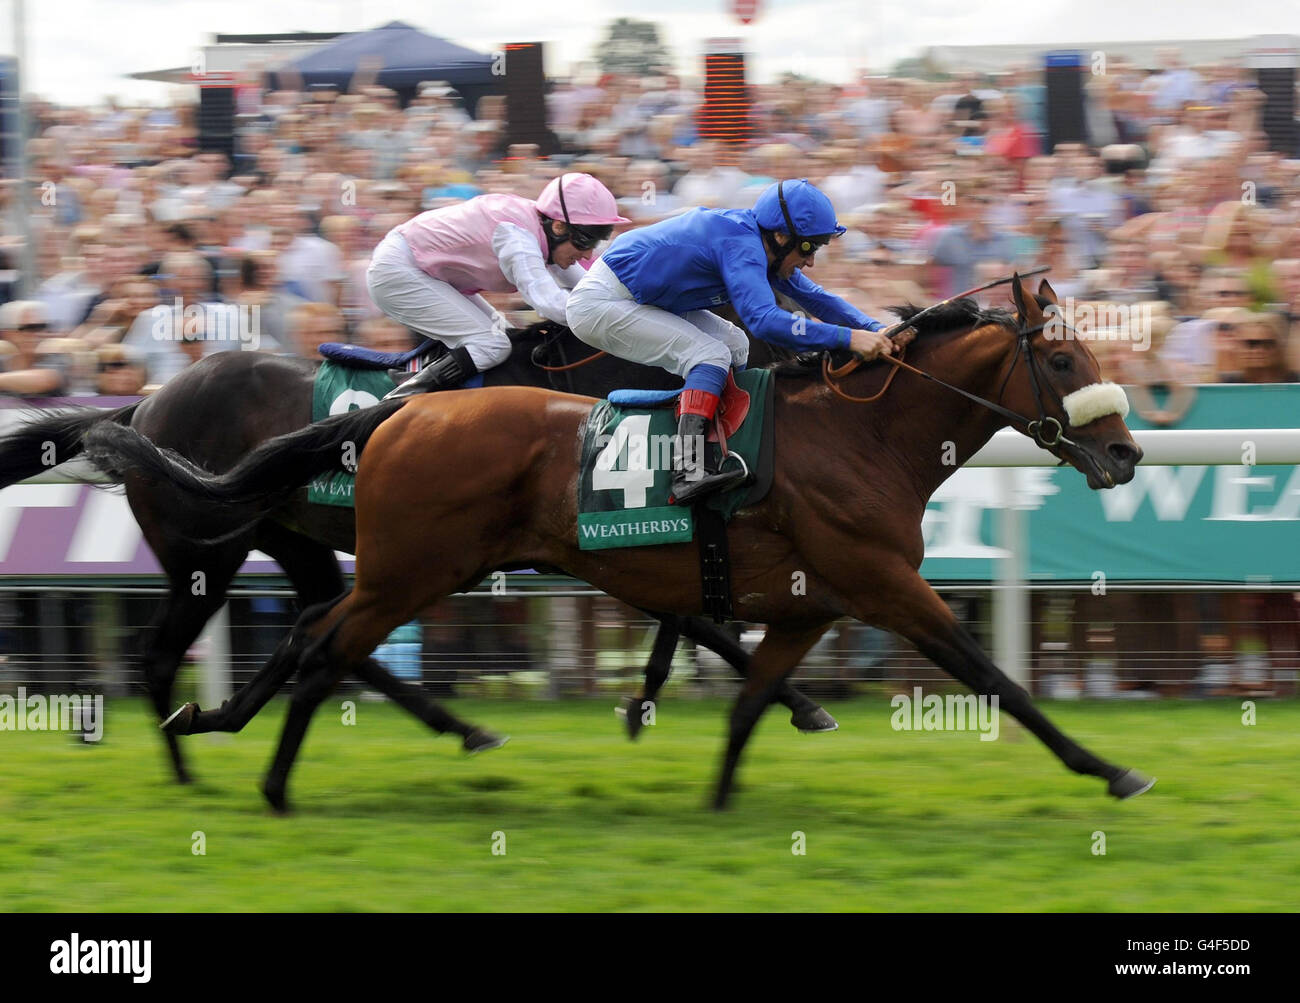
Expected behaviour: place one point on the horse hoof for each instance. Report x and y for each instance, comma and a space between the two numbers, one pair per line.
632, 712
479, 740
180, 721
278, 802
1130, 784
814, 720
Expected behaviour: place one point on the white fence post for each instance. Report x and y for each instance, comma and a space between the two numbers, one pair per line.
1011, 633
214, 684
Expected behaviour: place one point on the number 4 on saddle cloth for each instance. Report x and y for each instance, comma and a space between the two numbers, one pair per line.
626, 473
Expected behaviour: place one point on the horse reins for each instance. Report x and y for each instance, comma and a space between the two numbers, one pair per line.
829, 375
1023, 334
571, 365
550, 338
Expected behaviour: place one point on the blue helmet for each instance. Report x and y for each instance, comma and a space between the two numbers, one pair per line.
801, 211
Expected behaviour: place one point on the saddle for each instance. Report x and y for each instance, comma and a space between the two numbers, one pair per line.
732, 408
360, 357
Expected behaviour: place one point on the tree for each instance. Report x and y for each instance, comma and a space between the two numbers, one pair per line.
632, 48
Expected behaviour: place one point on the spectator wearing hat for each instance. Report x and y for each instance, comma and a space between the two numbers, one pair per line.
28, 373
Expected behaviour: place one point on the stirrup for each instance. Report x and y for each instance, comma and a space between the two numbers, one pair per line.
685, 492
448, 372
744, 467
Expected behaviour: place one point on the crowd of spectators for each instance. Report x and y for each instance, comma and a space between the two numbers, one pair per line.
1171, 234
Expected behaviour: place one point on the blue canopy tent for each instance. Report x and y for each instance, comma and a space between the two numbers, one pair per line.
407, 57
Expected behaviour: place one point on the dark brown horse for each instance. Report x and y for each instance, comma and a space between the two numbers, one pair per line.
453, 486
225, 405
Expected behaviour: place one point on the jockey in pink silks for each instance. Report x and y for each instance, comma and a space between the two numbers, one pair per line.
428, 272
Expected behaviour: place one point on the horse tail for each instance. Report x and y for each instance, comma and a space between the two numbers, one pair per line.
263, 479
52, 438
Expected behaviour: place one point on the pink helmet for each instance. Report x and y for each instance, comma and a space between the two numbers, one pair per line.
581, 200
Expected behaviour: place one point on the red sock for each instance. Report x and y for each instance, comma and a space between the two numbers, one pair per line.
699, 402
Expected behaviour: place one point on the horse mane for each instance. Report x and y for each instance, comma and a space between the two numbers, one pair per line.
962, 313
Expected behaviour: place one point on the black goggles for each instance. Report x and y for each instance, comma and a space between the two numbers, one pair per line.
584, 238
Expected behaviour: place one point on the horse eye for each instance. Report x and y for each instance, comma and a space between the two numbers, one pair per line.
1062, 363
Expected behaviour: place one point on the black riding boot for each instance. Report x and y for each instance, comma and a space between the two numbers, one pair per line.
692, 478
447, 373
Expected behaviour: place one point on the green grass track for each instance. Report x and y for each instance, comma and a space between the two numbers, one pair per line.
390, 817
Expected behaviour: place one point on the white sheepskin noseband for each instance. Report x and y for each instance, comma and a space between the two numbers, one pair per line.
1095, 401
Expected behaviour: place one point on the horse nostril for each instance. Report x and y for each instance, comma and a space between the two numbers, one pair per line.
1124, 453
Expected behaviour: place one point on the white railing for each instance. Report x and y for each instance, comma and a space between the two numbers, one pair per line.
1007, 449
1161, 448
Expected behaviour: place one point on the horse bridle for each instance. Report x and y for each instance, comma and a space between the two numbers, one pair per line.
1035, 427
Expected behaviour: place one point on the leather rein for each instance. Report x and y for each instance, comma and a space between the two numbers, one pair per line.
1035, 427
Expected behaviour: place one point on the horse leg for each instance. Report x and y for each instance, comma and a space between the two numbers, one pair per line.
776, 657
179, 620
340, 640
914, 610
250, 698
316, 576
319, 677
806, 714
411, 699
635, 710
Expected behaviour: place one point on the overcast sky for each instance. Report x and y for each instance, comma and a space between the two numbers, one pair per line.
79, 50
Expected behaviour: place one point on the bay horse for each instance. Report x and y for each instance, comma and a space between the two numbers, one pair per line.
228, 403
453, 486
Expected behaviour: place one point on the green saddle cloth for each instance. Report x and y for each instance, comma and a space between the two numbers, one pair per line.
626, 473
338, 389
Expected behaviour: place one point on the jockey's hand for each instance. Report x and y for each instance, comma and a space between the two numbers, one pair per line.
870, 344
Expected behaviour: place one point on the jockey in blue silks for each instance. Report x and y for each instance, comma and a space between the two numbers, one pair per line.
646, 300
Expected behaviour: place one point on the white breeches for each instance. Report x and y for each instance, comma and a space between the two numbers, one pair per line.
417, 300
603, 313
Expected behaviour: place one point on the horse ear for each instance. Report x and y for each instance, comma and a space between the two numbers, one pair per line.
1046, 291
1018, 295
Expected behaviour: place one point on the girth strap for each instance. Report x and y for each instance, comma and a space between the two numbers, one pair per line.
715, 563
